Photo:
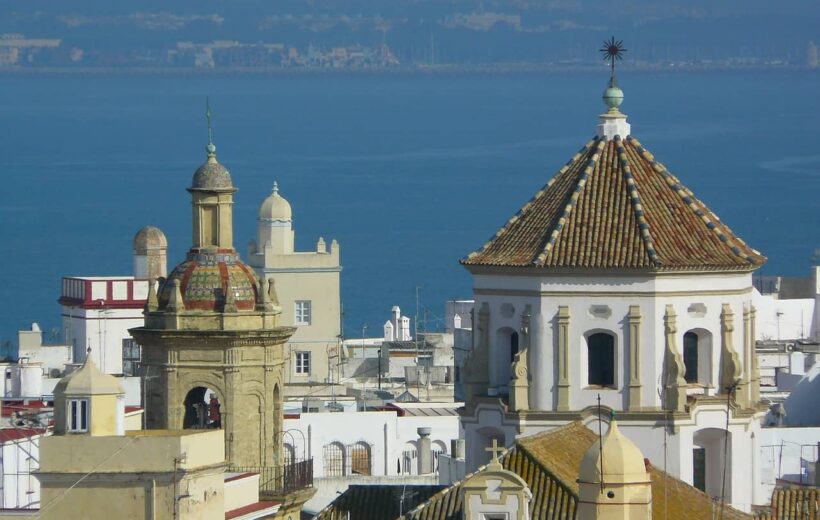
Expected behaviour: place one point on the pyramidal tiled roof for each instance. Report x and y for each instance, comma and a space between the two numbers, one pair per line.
614, 206
549, 462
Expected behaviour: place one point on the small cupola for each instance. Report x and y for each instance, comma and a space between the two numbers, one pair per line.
89, 402
614, 482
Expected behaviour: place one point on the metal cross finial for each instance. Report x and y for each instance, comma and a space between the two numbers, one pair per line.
495, 450
208, 118
613, 50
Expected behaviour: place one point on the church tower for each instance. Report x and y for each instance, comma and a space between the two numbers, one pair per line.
616, 284
212, 343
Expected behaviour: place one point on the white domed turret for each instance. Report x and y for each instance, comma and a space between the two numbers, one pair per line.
275, 207
275, 224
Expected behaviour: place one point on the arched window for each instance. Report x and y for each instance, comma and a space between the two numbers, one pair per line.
690, 356
360, 459
601, 359
334, 460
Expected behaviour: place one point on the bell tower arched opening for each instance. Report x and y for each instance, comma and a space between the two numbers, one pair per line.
202, 409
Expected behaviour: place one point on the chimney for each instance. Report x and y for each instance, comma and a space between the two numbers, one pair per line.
425, 458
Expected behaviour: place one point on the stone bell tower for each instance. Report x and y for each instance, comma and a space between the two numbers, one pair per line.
212, 345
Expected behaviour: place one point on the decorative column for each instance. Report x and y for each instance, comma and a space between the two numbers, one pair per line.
519, 383
674, 369
563, 358
730, 367
634, 319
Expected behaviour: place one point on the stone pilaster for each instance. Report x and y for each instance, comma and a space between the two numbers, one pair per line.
519, 383
674, 382
731, 369
755, 367
562, 322
748, 356
476, 374
634, 319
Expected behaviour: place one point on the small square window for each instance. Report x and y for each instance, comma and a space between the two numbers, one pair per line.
303, 363
302, 312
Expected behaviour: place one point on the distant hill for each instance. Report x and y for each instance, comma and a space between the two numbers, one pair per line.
437, 31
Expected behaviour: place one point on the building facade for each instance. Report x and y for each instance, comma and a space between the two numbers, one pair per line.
615, 283
307, 285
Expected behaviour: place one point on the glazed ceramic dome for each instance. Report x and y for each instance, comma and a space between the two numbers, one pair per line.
207, 277
211, 175
149, 238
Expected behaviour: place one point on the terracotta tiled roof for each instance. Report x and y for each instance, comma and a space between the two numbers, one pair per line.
549, 463
793, 503
613, 206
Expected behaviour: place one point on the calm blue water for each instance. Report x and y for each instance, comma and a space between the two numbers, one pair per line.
409, 173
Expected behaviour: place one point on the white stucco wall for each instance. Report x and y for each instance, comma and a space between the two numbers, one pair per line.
788, 454
101, 330
580, 294
386, 433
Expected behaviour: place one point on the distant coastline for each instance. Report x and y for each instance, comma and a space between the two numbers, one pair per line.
445, 69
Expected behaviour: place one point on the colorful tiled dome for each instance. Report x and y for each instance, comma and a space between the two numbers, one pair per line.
205, 279
211, 175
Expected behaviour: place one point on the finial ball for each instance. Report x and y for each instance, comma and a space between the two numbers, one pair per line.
613, 97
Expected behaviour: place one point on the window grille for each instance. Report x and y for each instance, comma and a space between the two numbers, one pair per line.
334, 460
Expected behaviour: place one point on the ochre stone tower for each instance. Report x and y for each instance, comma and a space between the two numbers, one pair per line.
212, 347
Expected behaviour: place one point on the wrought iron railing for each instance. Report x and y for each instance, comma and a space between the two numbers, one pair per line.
281, 479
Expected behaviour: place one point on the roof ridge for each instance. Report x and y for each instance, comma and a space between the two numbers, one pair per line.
582, 180
635, 200
707, 217
540, 193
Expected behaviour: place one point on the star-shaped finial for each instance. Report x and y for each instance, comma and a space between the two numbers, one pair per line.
613, 50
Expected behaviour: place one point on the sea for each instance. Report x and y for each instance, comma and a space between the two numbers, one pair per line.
409, 172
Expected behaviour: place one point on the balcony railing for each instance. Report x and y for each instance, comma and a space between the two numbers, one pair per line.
281, 479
